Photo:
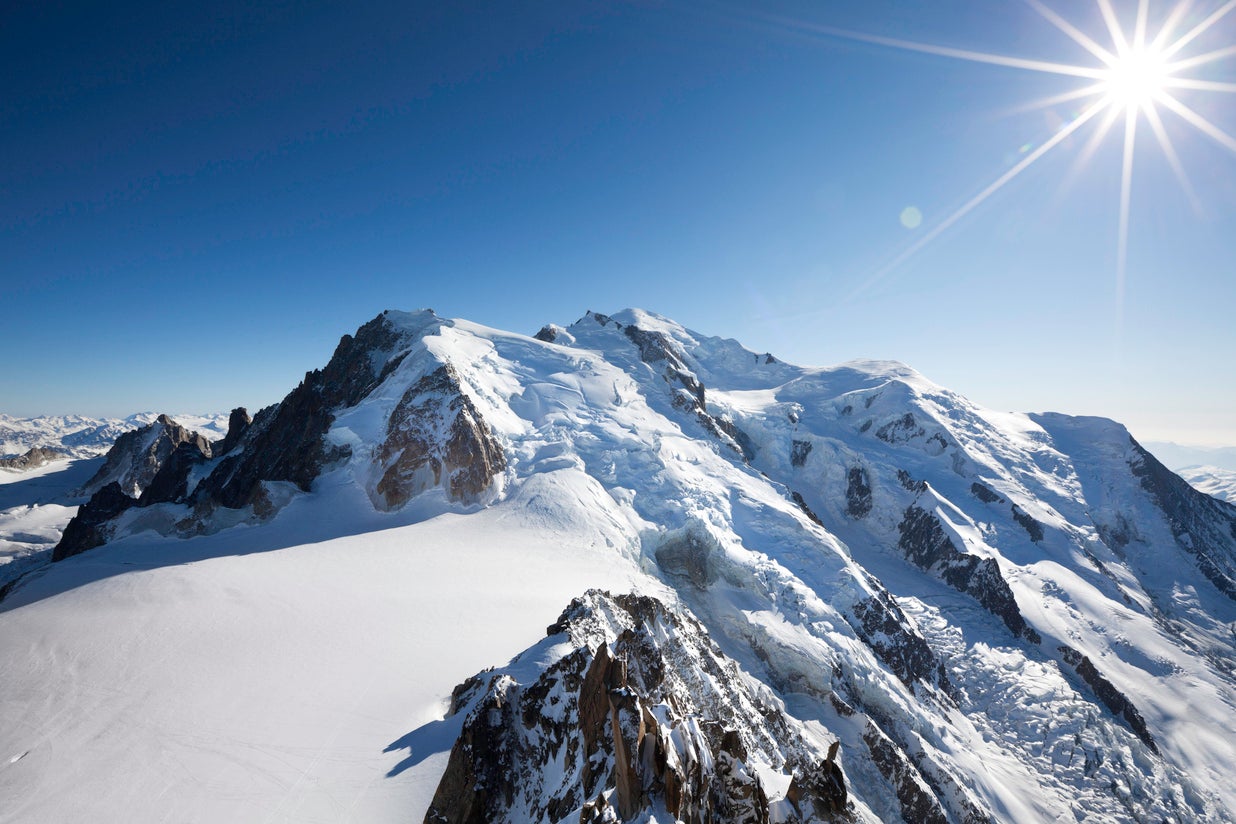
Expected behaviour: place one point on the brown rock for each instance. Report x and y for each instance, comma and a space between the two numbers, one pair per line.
415, 458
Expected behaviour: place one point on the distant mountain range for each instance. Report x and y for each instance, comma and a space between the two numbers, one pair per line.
1175, 456
1221, 483
623, 571
78, 436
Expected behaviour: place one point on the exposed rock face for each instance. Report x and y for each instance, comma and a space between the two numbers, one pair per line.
286, 443
237, 425
857, 493
32, 459
799, 450
88, 529
144, 467
642, 711
909, 483
885, 629
984, 493
436, 436
745, 445
797, 498
820, 790
171, 482
1109, 694
661, 352
900, 430
1033, 528
1196, 519
924, 542
918, 803
657, 349
137, 456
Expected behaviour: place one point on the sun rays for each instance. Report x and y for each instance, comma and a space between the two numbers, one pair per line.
1135, 75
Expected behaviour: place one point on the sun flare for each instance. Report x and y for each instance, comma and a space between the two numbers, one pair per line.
1137, 78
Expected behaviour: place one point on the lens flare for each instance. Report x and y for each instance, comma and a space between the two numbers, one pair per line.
1136, 78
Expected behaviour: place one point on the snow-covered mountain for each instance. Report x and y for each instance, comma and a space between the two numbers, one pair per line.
857, 596
78, 436
41, 494
1214, 481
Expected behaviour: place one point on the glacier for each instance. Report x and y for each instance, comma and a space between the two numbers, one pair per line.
992, 616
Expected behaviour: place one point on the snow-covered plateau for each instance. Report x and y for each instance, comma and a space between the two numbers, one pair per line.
617, 571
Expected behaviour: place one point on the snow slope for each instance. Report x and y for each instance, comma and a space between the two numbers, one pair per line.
1011, 617
35, 506
262, 675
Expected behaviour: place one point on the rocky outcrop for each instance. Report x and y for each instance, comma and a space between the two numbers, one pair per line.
900, 430
885, 628
910, 483
857, 493
927, 545
171, 483
286, 442
138, 455
436, 437
798, 499
642, 712
687, 393
32, 459
685, 554
819, 790
984, 493
745, 445
145, 466
914, 795
1109, 694
1204, 527
1033, 528
237, 425
89, 528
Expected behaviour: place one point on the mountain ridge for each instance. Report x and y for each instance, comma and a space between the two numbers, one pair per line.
992, 613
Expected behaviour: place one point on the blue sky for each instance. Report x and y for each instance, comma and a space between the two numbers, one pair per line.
197, 200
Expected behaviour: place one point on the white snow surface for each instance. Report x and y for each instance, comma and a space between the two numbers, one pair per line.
35, 506
261, 673
1213, 480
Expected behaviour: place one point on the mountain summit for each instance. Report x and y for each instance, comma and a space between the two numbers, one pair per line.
853, 595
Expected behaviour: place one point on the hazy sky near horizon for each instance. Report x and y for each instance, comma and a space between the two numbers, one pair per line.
197, 200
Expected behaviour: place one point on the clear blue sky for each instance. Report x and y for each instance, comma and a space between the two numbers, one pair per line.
197, 200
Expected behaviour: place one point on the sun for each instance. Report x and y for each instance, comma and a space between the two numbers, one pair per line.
1136, 77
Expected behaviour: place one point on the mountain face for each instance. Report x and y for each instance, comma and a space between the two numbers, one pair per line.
627, 707
857, 595
77, 436
33, 458
144, 466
